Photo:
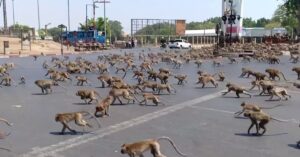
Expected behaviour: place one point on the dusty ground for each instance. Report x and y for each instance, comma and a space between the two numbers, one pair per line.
37, 46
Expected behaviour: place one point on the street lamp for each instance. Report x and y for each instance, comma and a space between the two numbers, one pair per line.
61, 26
104, 2
46, 28
39, 20
231, 20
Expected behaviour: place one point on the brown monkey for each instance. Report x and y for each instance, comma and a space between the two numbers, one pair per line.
297, 70
7, 80
45, 65
137, 73
259, 76
274, 73
163, 77
65, 118
221, 76
232, 60
88, 94
81, 80
237, 89
152, 75
125, 93
50, 72
163, 70
73, 70
246, 71
105, 79
167, 87
216, 63
198, 63
205, 79
252, 107
148, 84
46, 84
102, 68
273, 60
120, 69
279, 92
259, 119
262, 84
103, 106
181, 79
297, 85
151, 97
138, 148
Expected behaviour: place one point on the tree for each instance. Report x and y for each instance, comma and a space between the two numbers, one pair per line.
262, 22
249, 22
207, 24
293, 9
116, 29
54, 32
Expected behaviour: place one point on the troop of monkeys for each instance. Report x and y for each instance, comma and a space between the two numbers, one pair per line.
146, 78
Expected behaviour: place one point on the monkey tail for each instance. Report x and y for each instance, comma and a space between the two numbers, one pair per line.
283, 76
86, 112
172, 143
271, 107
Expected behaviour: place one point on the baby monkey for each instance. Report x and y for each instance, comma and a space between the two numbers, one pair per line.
138, 148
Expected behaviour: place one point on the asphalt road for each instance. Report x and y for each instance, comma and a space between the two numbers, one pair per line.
200, 121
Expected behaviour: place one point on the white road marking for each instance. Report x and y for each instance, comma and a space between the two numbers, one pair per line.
52, 150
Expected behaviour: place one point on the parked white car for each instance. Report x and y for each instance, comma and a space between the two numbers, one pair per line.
179, 43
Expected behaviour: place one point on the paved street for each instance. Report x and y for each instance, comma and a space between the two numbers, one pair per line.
200, 121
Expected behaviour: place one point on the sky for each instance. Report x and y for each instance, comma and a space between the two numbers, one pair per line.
55, 11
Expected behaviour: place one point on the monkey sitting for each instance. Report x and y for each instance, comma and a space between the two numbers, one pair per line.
88, 94
181, 79
151, 97
237, 89
65, 118
205, 79
279, 92
252, 107
138, 148
103, 106
81, 80
274, 73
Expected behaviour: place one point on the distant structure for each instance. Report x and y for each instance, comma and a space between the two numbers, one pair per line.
3, 3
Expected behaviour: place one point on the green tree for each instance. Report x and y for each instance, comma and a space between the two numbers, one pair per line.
249, 22
207, 24
293, 9
54, 32
116, 29
262, 22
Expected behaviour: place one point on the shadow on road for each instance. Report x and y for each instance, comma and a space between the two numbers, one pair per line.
293, 146
254, 135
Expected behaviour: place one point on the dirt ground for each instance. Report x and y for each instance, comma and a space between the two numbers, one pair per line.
37, 47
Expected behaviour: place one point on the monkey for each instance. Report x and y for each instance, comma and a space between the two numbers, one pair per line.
103, 106
54, 59
216, 63
151, 97
22, 80
35, 57
163, 77
3, 71
152, 75
45, 65
205, 79
46, 84
246, 59
50, 71
221, 76
125, 93
237, 89
259, 76
294, 59
81, 80
59, 64
297, 70
145, 66
88, 94
297, 85
273, 60
137, 149
274, 73
7, 81
265, 85
137, 73
181, 79
177, 64
73, 70
120, 69
279, 92
167, 87
148, 84
198, 63
104, 78
65, 118
246, 71
163, 70
9, 66
87, 68
140, 79
259, 119
252, 107
232, 60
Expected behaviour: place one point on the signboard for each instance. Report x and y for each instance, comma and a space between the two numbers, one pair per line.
180, 27
237, 9
6, 44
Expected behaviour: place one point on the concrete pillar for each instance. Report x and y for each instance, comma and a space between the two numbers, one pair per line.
155, 41
142, 42
197, 40
193, 42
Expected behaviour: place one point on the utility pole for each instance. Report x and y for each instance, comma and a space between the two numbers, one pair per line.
13, 7
104, 2
4, 16
69, 15
39, 20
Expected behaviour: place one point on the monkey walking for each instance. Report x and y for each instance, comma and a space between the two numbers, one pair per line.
280, 92
151, 97
259, 119
237, 89
88, 94
252, 107
77, 117
138, 148
181, 79
46, 85
103, 107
